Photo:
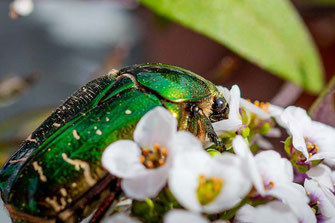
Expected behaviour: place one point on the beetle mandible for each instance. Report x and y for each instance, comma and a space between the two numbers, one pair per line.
56, 174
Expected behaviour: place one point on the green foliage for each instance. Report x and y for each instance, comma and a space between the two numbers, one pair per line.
323, 109
268, 33
153, 210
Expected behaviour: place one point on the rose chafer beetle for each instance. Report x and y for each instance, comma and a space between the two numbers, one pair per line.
56, 174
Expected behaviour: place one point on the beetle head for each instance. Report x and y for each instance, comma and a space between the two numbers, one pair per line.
220, 110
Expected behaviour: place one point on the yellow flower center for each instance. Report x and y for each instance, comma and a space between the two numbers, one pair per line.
208, 189
311, 147
262, 105
153, 157
269, 185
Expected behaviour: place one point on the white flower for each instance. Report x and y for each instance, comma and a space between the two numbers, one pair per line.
244, 114
273, 176
234, 121
322, 199
255, 109
274, 212
120, 218
314, 139
332, 178
262, 142
202, 183
144, 164
323, 175
178, 215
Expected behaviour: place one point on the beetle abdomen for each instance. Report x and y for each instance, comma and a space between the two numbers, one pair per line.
80, 102
64, 168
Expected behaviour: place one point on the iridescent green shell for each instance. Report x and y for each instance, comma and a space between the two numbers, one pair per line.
58, 167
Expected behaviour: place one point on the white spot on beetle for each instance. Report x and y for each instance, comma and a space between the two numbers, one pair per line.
39, 170
98, 132
54, 204
75, 134
63, 192
31, 139
107, 119
56, 125
79, 164
18, 160
128, 112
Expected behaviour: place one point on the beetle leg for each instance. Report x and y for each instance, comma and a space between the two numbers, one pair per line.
100, 212
199, 119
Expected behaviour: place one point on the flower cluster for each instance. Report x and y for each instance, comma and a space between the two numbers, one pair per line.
170, 176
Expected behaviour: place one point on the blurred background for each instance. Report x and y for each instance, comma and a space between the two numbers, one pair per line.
51, 48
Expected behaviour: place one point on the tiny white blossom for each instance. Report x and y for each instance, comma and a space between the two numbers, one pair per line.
244, 114
322, 174
202, 183
274, 212
322, 199
234, 121
272, 176
178, 215
121, 218
262, 142
314, 139
254, 109
143, 164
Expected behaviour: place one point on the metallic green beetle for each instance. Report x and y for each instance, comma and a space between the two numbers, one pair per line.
56, 175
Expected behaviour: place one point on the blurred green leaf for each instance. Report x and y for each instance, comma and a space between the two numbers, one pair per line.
268, 33
323, 109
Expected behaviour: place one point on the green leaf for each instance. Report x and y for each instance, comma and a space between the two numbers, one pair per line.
268, 33
323, 109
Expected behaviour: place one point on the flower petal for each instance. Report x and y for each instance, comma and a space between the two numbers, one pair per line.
321, 173
235, 184
294, 196
227, 125
297, 115
156, 126
122, 159
147, 184
225, 92
254, 109
234, 104
262, 142
273, 167
184, 177
234, 121
178, 215
121, 218
185, 142
274, 212
242, 150
322, 195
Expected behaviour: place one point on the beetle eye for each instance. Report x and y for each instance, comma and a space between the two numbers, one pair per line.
219, 105
220, 110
